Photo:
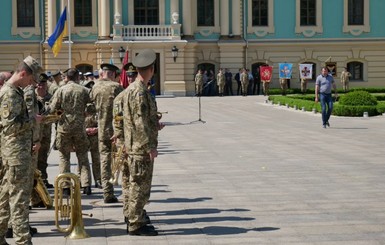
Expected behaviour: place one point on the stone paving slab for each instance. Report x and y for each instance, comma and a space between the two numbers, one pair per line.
249, 173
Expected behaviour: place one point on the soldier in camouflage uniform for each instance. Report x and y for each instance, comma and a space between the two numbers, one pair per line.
16, 139
199, 83
119, 136
56, 83
91, 124
72, 99
140, 123
244, 81
221, 81
43, 98
102, 94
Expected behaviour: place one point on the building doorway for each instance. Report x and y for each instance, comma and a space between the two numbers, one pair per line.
256, 86
209, 79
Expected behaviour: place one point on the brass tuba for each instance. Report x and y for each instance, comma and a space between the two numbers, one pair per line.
41, 190
68, 205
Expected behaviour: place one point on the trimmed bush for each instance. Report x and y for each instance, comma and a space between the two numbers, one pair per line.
358, 98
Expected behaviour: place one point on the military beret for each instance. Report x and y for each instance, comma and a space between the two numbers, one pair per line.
56, 73
110, 67
43, 78
34, 66
144, 59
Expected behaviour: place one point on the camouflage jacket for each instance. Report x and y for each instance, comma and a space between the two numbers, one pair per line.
72, 99
140, 119
102, 95
16, 133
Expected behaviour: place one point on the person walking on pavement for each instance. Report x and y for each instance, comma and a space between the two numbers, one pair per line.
323, 93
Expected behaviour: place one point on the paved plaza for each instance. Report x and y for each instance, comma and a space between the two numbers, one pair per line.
248, 172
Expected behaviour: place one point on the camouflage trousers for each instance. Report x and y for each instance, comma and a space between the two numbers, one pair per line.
244, 87
15, 192
141, 168
105, 149
65, 143
95, 156
45, 145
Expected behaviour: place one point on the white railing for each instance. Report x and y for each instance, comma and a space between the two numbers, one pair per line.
147, 32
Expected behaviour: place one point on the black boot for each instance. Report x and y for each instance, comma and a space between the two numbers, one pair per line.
87, 190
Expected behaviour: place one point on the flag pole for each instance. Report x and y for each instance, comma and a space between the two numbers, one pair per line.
69, 34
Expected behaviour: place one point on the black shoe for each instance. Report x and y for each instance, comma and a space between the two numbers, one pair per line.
328, 124
87, 190
9, 233
32, 230
146, 217
47, 184
111, 199
146, 230
98, 184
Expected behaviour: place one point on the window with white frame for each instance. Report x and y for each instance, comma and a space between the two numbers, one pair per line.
356, 69
356, 16
261, 17
205, 13
309, 17
209, 26
83, 13
25, 18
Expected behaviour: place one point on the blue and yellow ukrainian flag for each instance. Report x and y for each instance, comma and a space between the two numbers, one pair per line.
56, 39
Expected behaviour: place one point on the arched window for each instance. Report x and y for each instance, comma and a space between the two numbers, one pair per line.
356, 69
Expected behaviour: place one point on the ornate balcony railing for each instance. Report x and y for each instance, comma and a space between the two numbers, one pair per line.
146, 32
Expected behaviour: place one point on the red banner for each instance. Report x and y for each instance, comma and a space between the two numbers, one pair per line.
266, 73
123, 76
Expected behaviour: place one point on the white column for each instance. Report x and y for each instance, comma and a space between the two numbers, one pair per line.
52, 20
236, 17
174, 7
187, 18
118, 11
104, 22
224, 17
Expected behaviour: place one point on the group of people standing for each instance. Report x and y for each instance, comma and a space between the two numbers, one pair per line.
247, 83
87, 116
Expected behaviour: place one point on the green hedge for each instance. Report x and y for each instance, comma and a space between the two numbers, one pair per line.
308, 103
358, 98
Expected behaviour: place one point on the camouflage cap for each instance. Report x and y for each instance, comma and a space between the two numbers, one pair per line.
144, 59
34, 66
71, 72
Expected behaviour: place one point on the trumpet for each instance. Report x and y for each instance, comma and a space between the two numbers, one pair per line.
52, 117
71, 208
41, 190
118, 158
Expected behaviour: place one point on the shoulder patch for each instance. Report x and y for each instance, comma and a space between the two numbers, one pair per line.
5, 111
